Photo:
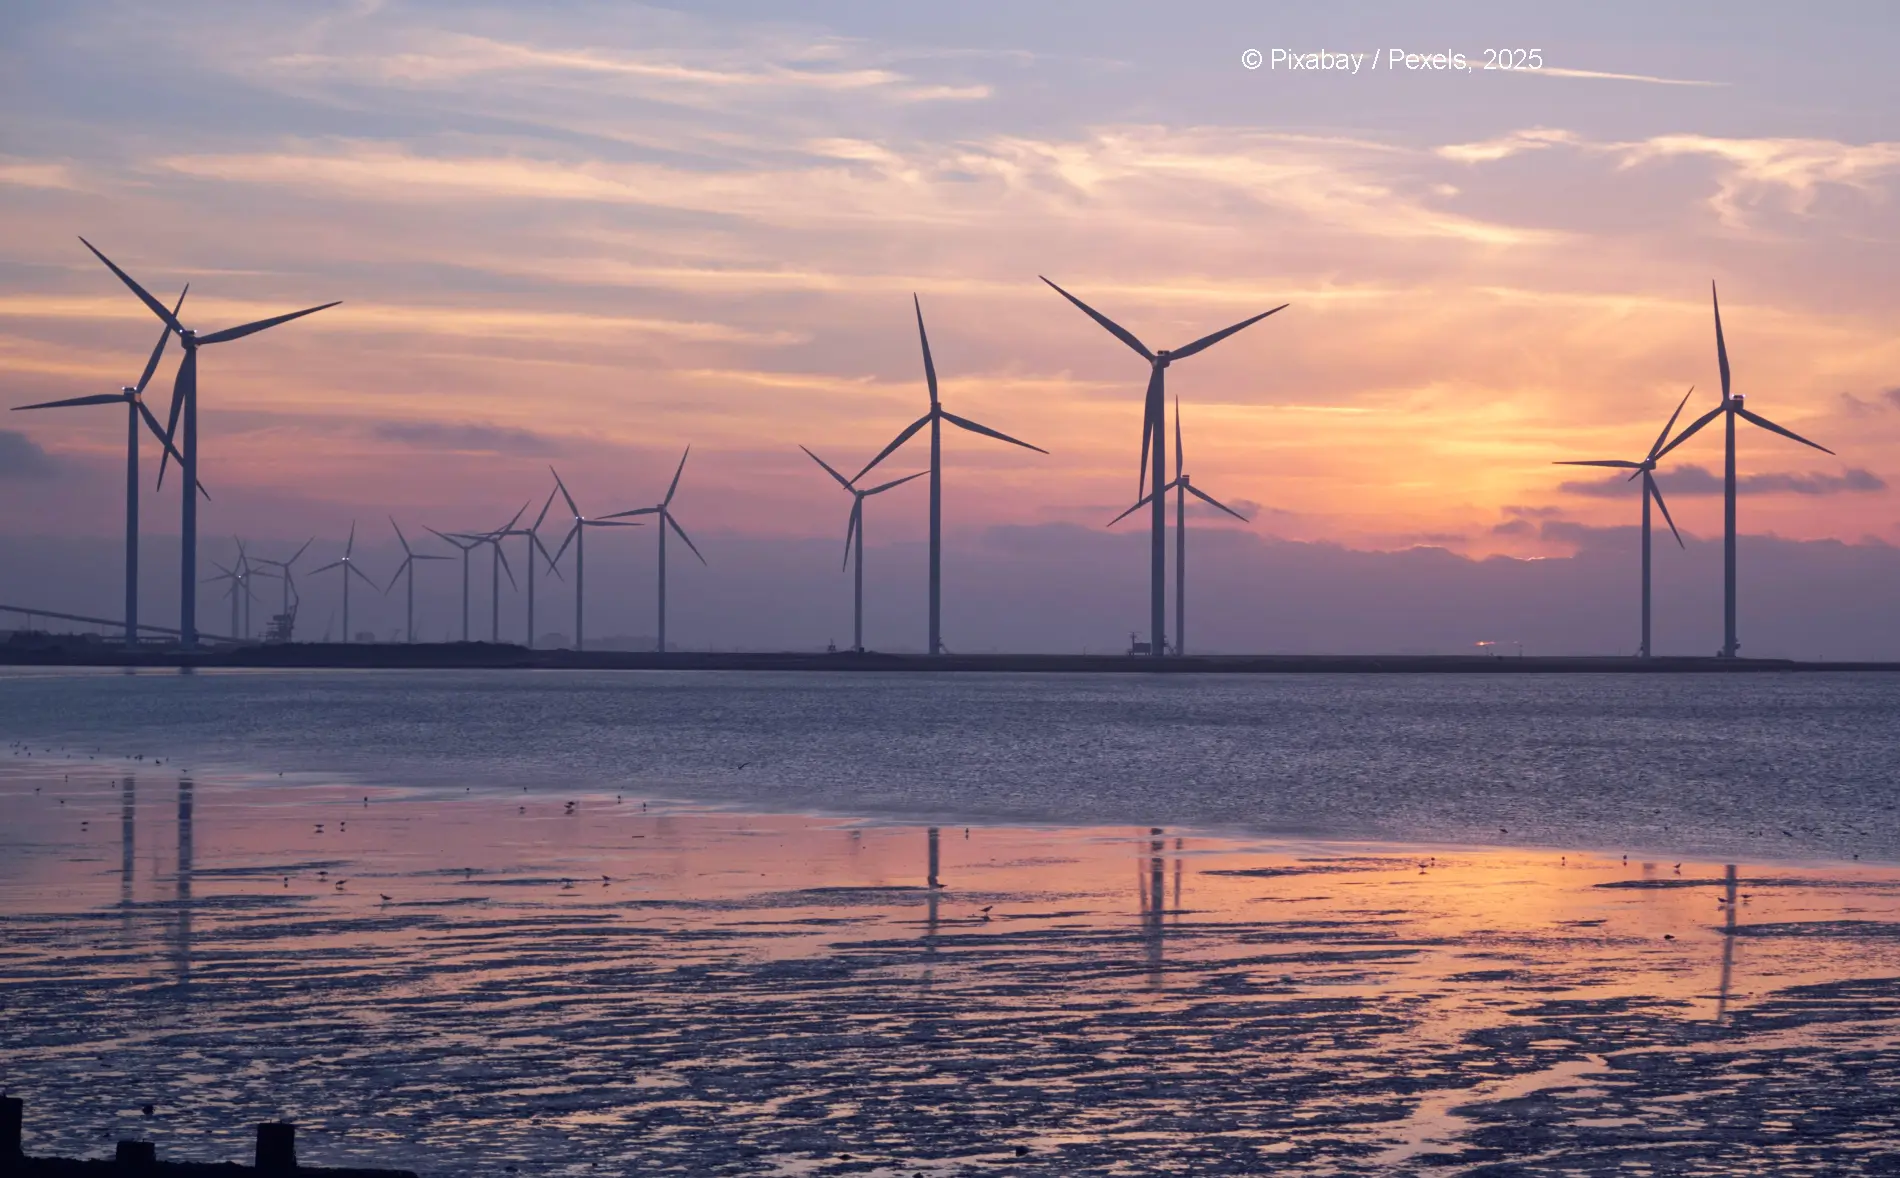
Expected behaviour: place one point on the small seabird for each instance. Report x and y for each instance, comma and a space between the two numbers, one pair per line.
567, 885
743, 764
385, 898
1669, 936
146, 1109
340, 883
1678, 869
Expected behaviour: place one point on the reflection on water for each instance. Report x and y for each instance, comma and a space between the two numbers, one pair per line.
459, 983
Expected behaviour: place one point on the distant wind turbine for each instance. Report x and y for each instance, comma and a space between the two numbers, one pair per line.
498, 562
1650, 491
1153, 441
662, 509
1182, 488
185, 401
533, 533
132, 397
1730, 408
291, 596
935, 419
855, 530
408, 565
577, 536
466, 546
349, 568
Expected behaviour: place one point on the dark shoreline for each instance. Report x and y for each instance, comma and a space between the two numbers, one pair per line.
504, 656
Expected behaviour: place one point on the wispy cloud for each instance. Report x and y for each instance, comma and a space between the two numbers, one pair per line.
1696, 480
468, 437
1607, 76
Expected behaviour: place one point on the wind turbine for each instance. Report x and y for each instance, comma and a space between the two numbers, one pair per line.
1153, 429
496, 565
1182, 487
467, 546
1730, 408
935, 419
290, 586
533, 533
855, 529
1650, 491
577, 536
185, 400
408, 565
132, 397
349, 567
666, 520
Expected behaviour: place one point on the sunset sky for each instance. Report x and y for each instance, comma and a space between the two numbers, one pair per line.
592, 234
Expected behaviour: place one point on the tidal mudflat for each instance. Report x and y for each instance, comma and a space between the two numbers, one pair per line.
473, 981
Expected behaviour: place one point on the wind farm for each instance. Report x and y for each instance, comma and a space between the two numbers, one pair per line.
1153, 484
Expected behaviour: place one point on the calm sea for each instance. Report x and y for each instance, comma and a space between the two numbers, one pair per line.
1744, 766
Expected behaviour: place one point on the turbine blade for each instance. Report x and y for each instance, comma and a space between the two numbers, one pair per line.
1150, 419
986, 431
1721, 348
1139, 504
1177, 440
70, 402
851, 531
501, 554
910, 431
1204, 497
145, 297
667, 517
158, 432
397, 575
1115, 329
930, 368
562, 488
543, 549
326, 568
1619, 463
625, 514
675, 484
231, 333
1653, 490
360, 573
349, 546
1670, 424
1695, 425
571, 533
1763, 422
399, 536
1208, 341
544, 513
842, 481
510, 525
158, 349
895, 483
184, 384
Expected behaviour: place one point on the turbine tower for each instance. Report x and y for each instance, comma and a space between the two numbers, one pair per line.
662, 509
408, 565
855, 530
349, 568
935, 419
1153, 441
185, 400
132, 397
497, 563
533, 533
466, 546
1182, 488
1650, 491
1730, 408
577, 536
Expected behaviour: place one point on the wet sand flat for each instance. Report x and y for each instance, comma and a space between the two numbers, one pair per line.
634, 983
